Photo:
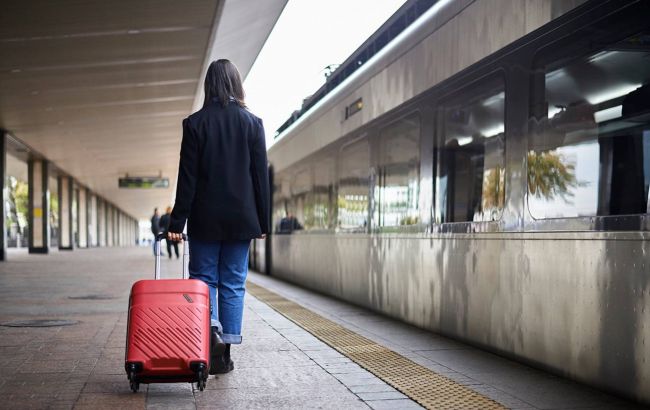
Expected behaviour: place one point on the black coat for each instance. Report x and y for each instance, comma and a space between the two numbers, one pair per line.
163, 223
223, 184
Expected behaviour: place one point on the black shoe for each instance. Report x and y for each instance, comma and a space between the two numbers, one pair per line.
222, 363
217, 346
221, 366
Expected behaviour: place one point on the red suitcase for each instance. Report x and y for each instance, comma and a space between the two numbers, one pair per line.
168, 334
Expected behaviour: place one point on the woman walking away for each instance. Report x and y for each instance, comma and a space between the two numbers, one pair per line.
223, 193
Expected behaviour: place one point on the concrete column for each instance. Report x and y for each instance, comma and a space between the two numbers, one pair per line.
91, 216
107, 208
118, 224
39, 206
125, 233
82, 218
3, 175
101, 222
66, 240
116, 227
75, 214
109, 225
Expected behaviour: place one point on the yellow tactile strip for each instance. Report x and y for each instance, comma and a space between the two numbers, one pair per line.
430, 389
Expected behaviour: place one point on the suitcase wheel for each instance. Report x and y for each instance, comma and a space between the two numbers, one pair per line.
135, 386
202, 376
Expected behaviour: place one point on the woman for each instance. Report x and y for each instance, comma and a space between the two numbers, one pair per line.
223, 193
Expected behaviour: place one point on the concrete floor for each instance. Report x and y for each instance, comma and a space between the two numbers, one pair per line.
279, 365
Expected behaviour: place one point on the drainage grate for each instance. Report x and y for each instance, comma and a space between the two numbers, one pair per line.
92, 297
40, 323
424, 386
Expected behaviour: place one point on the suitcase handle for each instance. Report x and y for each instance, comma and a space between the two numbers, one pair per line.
186, 254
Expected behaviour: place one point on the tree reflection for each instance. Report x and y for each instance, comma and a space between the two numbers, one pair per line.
550, 175
494, 192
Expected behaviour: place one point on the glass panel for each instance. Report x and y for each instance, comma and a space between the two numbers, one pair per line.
324, 194
471, 178
283, 207
300, 214
590, 155
354, 187
397, 193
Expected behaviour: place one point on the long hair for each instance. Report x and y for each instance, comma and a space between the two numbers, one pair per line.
223, 83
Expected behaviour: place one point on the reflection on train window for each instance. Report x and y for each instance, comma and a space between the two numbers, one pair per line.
590, 154
300, 214
353, 187
324, 195
283, 206
470, 183
396, 195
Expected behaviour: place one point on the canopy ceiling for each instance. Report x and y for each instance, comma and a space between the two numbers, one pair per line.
100, 87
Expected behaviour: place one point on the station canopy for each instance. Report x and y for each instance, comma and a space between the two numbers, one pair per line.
100, 87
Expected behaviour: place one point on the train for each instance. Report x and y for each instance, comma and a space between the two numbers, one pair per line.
485, 176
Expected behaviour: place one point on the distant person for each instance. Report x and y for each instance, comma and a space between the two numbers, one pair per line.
155, 227
164, 226
289, 223
223, 193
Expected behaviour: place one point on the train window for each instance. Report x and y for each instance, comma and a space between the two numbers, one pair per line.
470, 182
324, 194
590, 153
396, 194
301, 209
283, 206
353, 188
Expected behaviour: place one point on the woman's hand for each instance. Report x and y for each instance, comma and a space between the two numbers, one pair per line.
177, 237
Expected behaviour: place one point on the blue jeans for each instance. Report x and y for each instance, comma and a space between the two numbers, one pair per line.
223, 266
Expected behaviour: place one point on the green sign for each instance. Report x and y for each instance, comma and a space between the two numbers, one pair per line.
144, 182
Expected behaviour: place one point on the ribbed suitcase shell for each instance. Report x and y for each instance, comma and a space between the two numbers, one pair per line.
168, 329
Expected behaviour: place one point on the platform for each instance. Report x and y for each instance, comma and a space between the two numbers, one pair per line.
280, 365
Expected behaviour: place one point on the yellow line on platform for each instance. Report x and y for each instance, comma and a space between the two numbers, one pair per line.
426, 387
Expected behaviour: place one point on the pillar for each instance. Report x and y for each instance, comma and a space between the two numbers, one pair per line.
118, 232
75, 214
101, 222
109, 225
82, 217
39, 205
3, 175
91, 216
66, 239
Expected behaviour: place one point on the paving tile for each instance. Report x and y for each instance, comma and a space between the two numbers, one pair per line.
386, 395
372, 388
400, 404
107, 401
279, 399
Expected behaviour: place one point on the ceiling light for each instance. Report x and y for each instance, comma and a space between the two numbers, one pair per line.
493, 132
608, 114
494, 99
464, 140
612, 93
554, 110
